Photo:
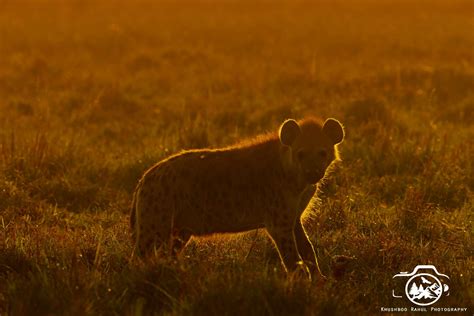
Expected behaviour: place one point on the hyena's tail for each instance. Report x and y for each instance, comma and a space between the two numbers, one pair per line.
133, 210
134, 218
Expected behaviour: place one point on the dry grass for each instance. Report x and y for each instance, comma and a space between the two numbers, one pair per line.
93, 92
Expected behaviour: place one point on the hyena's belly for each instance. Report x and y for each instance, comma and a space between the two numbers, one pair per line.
220, 208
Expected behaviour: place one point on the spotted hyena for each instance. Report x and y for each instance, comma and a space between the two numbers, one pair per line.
266, 182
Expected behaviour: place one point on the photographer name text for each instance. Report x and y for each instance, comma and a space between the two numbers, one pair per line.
423, 309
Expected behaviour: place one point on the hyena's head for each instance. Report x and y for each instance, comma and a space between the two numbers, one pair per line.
309, 147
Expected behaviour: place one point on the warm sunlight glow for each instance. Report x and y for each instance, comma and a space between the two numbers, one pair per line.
93, 93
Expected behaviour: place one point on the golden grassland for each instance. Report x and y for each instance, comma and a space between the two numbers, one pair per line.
94, 92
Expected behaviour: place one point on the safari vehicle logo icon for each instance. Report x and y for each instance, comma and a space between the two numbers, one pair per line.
424, 285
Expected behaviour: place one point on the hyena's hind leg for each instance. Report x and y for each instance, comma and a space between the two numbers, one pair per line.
178, 241
163, 242
157, 235
146, 239
148, 232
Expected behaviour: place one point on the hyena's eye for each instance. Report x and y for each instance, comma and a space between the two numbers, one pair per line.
301, 154
323, 153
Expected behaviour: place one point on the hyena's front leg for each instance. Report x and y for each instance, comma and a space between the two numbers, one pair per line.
286, 246
306, 249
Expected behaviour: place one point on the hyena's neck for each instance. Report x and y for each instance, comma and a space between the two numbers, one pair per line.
291, 175
265, 156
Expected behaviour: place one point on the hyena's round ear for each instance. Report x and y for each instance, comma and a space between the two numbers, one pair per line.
334, 130
289, 130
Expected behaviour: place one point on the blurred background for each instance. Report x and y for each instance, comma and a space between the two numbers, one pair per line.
92, 93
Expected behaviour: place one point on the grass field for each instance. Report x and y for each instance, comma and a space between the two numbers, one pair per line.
92, 93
